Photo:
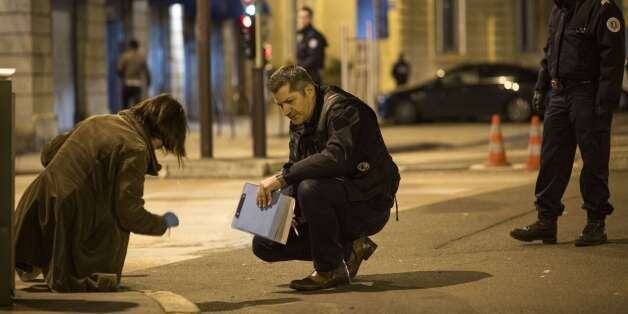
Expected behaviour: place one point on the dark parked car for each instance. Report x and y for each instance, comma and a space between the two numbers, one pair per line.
469, 91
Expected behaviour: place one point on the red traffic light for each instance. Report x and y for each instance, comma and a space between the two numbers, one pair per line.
246, 21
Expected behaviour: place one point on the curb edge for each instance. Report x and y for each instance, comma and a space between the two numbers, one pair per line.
171, 302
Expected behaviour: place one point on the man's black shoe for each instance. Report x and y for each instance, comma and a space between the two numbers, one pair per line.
593, 234
542, 229
362, 249
323, 280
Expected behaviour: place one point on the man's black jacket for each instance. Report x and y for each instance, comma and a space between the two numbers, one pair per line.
586, 43
342, 140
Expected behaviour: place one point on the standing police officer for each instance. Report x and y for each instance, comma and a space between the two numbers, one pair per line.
583, 66
341, 174
401, 70
311, 45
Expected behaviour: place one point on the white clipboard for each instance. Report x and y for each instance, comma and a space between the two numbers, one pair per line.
272, 223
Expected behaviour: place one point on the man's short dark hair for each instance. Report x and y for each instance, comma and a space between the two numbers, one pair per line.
134, 44
294, 75
309, 10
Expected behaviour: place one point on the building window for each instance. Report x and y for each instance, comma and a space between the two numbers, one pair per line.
525, 25
451, 26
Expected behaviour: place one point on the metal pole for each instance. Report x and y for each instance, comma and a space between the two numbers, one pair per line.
203, 23
290, 48
344, 57
291, 34
7, 182
370, 69
258, 111
376, 30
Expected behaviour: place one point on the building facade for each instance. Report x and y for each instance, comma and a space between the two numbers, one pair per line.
36, 39
65, 51
65, 54
432, 34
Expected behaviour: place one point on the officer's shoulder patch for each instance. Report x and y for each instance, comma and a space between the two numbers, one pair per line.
363, 166
613, 24
313, 43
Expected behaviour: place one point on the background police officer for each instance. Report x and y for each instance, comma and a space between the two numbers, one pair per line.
311, 45
341, 174
583, 67
401, 70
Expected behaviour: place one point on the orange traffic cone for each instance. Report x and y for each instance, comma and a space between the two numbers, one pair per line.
496, 152
534, 145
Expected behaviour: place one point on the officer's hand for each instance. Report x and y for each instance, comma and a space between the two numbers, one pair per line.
171, 219
265, 191
538, 101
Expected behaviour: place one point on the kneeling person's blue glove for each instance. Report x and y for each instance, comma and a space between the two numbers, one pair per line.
171, 219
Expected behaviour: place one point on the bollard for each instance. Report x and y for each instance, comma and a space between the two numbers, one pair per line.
7, 190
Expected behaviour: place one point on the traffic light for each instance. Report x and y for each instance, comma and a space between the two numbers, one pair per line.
247, 26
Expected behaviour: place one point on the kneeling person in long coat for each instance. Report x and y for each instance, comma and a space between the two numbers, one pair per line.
341, 174
73, 221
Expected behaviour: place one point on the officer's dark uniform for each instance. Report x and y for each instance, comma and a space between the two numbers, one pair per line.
401, 71
311, 46
583, 67
343, 178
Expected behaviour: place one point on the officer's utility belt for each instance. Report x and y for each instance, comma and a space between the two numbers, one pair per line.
559, 84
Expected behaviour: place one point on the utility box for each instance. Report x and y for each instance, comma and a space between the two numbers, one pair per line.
7, 184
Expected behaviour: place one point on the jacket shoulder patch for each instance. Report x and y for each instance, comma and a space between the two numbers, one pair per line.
363, 166
613, 24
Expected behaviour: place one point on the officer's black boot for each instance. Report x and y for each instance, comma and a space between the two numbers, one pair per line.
594, 232
543, 229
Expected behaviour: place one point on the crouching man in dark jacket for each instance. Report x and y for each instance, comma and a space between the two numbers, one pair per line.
340, 173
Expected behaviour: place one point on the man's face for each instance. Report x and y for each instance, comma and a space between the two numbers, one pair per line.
304, 19
297, 106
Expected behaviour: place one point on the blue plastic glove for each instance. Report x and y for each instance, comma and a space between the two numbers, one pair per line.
171, 219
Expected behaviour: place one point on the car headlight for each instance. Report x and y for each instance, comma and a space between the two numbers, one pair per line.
514, 86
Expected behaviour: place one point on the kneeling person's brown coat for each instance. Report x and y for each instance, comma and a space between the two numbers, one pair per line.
74, 220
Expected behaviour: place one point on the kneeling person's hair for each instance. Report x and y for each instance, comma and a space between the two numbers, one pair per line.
165, 119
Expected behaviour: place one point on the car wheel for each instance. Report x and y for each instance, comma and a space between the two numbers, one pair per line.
518, 110
405, 112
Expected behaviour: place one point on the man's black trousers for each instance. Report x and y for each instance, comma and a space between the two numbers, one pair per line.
332, 224
571, 120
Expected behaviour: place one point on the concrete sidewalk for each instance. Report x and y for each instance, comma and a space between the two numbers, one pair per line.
35, 297
442, 146
233, 151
